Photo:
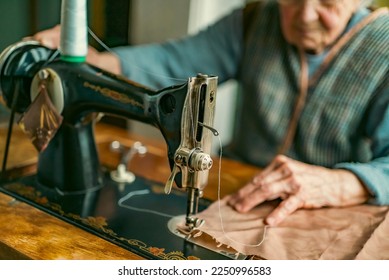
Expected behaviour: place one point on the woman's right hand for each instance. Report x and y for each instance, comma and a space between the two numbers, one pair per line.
49, 38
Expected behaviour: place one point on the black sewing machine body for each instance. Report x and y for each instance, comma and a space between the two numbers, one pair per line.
71, 183
70, 161
93, 90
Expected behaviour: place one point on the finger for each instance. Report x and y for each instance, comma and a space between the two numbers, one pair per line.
285, 208
245, 203
244, 191
27, 38
286, 186
276, 163
49, 43
279, 173
282, 196
280, 189
273, 165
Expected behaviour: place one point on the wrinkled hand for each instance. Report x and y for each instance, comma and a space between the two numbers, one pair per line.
49, 38
300, 185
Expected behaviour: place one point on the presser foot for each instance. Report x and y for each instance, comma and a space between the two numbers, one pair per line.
192, 222
194, 235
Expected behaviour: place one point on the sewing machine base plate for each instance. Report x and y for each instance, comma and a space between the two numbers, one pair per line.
134, 216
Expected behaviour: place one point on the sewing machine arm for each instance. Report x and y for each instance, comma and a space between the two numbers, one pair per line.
70, 161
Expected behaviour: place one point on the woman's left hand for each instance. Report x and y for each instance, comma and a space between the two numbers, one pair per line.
300, 185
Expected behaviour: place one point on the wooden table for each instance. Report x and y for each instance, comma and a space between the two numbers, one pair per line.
28, 233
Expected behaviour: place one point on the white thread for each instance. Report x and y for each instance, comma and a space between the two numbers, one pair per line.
140, 192
52, 56
219, 205
74, 41
101, 43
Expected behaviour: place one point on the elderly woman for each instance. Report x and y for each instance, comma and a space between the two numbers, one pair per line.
314, 108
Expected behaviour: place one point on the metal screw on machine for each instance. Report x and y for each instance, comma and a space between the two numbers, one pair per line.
43, 74
122, 174
193, 160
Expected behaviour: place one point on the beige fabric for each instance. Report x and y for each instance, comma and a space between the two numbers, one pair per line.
377, 247
330, 233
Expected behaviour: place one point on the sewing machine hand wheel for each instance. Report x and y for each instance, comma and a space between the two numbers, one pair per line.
19, 63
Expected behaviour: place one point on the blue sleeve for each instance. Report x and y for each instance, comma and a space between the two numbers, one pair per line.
214, 51
375, 174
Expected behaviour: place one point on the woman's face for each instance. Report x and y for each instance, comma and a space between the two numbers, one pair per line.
313, 25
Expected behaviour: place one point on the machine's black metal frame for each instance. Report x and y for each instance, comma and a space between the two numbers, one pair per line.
70, 182
132, 227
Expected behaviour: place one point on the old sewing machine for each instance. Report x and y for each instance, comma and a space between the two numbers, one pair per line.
57, 95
